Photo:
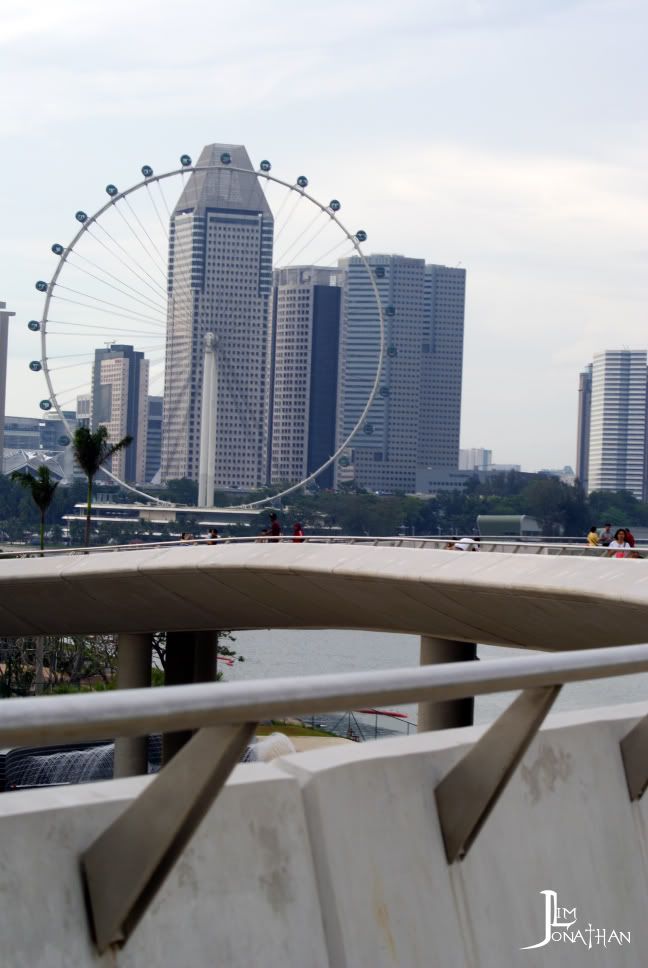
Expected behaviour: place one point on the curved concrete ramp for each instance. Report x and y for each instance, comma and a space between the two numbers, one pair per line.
534, 602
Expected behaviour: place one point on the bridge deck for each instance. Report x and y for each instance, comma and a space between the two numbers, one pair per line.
533, 601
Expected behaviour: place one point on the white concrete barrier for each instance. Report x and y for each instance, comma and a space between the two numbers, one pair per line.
243, 894
335, 858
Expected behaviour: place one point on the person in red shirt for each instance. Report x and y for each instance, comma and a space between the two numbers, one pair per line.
630, 537
275, 527
298, 534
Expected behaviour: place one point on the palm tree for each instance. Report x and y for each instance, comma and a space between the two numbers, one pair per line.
42, 488
92, 450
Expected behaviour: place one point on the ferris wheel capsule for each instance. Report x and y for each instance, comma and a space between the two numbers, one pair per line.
41, 285
226, 158
33, 325
265, 165
81, 216
302, 181
185, 160
58, 249
111, 190
45, 404
390, 311
36, 366
361, 235
334, 205
147, 171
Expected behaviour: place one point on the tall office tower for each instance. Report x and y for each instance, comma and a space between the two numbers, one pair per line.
220, 281
120, 379
83, 409
583, 429
4, 346
306, 328
475, 459
153, 438
414, 423
617, 439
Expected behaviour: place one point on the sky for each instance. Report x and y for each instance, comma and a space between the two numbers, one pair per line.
508, 137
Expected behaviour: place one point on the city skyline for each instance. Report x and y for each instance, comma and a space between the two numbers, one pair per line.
532, 177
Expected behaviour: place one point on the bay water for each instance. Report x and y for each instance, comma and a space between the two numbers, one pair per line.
288, 652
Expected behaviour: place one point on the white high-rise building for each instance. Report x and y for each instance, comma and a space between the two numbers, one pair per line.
414, 422
119, 402
220, 281
617, 425
475, 459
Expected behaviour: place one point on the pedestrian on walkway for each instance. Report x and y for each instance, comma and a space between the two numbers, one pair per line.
619, 547
275, 527
593, 536
298, 534
606, 535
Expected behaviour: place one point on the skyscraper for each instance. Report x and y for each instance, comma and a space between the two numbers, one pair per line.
617, 434
415, 419
220, 281
119, 401
153, 438
583, 428
306, 325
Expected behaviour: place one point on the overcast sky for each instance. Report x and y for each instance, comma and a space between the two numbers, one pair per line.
508, 136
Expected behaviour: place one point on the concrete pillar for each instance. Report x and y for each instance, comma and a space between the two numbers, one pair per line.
190, 657
133, 672
453, 712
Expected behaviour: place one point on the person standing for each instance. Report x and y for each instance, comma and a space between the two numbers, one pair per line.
630, 537
606, 535
593, 536
275, 527
298, 534
619, 547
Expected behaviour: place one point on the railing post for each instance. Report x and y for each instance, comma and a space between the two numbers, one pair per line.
133, 672
454, 712
190, 657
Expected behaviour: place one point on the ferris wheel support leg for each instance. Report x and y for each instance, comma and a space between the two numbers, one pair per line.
453, 712
208, 425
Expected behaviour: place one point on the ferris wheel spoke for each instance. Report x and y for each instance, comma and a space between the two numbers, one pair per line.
307, 243
126, 291
165, 229
164, 198
146, 232
289, 216
298, 238
141, 243
130, 257
132, 314
99, 329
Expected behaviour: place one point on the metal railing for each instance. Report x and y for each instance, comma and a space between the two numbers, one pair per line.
505, 545
135, 712
129, 861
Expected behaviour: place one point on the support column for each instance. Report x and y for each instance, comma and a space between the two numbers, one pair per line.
190, 657
453, 712
133, 672
206, 467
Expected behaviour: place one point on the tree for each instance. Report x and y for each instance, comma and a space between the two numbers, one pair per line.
42, 488
92, 450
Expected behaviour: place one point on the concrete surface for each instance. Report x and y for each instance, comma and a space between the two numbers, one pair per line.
532, 601
334, 857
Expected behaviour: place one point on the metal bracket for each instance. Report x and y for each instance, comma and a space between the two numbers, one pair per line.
128, 863
466, 796
634, 752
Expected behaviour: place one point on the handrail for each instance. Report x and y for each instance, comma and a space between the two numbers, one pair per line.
503, 545
135, 712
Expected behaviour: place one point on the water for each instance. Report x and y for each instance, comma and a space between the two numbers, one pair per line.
288, 652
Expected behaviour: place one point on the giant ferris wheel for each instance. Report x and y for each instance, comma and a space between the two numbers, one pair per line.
110, 285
